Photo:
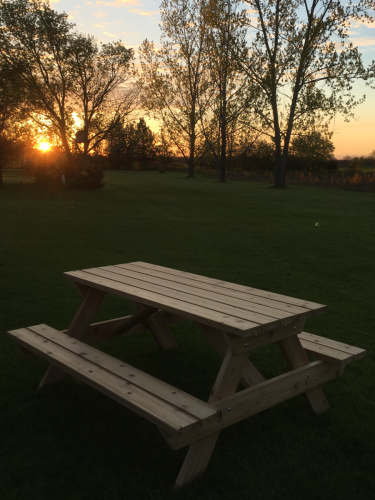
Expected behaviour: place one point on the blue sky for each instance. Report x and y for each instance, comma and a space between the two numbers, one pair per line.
134, 20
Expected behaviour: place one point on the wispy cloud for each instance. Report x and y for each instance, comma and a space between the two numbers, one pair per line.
363, 41
144, 13
99, 13
118, 3
109, 34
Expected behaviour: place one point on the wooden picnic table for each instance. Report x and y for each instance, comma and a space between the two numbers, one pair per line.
235, 319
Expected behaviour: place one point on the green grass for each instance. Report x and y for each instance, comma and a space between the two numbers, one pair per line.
69, 442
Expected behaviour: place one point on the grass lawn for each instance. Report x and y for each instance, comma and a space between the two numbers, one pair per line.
69, 442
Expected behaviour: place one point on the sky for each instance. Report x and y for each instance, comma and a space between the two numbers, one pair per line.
134, 20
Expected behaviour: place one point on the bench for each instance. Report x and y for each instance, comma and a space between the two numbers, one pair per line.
162, 404
330, 350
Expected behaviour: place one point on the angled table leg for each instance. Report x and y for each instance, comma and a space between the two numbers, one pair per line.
250, 375
296, 357
159, 328
91, 302
200, 452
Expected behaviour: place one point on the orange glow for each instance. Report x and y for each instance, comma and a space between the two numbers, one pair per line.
44, 146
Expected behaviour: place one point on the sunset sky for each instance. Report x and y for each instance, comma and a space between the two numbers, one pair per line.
134, 20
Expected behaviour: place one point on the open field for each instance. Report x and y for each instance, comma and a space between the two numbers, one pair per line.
70, 442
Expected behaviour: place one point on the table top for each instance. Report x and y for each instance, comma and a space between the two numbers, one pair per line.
236, 309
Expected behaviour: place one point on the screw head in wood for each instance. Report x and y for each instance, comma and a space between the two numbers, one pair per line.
245, 345
316, 378
295, 328
308, 374
229, 409
256, 335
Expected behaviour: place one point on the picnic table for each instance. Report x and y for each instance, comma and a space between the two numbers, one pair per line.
234, 318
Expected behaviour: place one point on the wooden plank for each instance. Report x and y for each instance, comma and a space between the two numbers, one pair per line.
327, 353
141, 402
263, 396
188, 298
174, 306
296, 358
227, 292
132, 321
316, 308
100, 331
179, 399
245, 344
215, 296
356, 352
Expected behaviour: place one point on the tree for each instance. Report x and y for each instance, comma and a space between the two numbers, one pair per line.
314, 148
128, 143
173, 78
61, 72
34, 48
102, 89
227, 97
301, 59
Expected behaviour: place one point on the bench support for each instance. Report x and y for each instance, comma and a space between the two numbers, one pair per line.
159, 328
77, 329
296, 357
200, 452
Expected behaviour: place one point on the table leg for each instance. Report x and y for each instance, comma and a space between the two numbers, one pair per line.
250, 375
296, 357
159, 328
200, 452
78, 328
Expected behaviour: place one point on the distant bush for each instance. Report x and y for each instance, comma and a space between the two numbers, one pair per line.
52, 169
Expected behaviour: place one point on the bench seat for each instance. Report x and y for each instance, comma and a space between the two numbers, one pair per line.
330, 350
169, 408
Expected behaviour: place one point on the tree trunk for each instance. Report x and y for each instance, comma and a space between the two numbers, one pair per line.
1, 176
192, 142
280, 170
223, 156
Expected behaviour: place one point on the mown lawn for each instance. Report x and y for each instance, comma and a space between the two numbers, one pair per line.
69, 442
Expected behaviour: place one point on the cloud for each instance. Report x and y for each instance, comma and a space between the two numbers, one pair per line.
364, 41
99, 13
88, 3
143, 13
100, 25
109, 34
118, 3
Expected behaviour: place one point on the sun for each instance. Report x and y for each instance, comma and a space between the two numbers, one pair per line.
44, 146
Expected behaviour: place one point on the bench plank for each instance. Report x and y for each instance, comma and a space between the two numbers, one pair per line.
314, 307
330, 350
168, 416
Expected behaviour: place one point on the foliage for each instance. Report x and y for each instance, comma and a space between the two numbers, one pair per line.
173, 79
301, 59
58, 71
52, 169
313, 149
130, 143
